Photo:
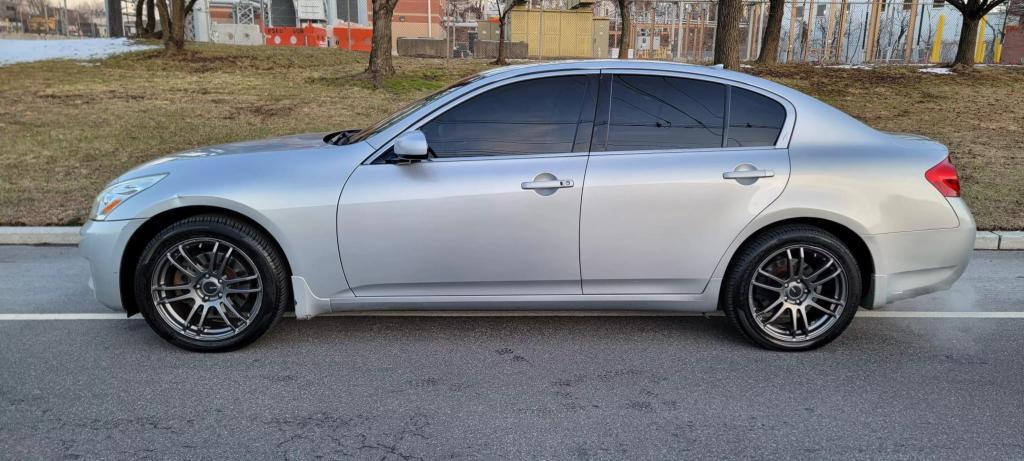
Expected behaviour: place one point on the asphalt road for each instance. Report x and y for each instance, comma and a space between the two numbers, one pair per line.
511, 387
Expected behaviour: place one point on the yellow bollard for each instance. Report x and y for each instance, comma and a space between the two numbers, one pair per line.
997, 51
979, 50
937, 46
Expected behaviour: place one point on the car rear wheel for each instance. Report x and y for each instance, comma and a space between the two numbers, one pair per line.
796, 287
211, 283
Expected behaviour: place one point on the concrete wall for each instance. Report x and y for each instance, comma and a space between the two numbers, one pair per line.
409, 29
489, 49
236, 34
422, 47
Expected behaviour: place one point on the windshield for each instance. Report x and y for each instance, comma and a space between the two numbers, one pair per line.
401, 113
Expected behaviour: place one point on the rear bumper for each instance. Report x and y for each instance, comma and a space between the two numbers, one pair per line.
909, 264
103, 244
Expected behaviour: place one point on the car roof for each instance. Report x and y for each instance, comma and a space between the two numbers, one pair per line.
615, 64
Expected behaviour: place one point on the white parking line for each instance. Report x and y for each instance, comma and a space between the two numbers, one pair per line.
861, 313
942, 315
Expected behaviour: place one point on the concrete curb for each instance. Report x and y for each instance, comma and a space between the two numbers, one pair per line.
39, 235
985, 240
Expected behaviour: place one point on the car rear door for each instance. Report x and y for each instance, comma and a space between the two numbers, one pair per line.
679, 166
494, 212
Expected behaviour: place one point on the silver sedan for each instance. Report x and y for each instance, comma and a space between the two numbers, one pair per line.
593, 185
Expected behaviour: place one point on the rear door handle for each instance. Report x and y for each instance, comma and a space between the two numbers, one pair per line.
748, 174
549, 184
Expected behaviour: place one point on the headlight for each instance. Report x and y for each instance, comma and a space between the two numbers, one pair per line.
116, 194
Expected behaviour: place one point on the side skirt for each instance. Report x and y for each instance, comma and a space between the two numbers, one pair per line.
308, 305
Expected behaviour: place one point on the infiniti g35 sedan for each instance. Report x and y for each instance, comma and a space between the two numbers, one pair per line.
594, 185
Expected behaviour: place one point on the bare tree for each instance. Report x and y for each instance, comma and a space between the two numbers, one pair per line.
172, 23
625, 12
972, 12
38, 7
145, 29
140, 27
772, 33
892, 29
380, 46
504, 9
727, 33
150, 18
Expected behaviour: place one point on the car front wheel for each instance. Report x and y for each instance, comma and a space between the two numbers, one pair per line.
211, 283
796, 287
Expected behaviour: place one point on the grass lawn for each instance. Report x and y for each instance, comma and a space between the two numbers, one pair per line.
67, 128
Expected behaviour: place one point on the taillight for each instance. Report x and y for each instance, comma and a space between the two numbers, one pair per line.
943, 176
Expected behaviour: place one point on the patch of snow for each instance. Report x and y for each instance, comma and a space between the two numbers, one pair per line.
12, 51
937, 70
850, 66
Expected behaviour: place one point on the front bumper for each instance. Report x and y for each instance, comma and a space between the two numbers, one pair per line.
909, 264
103, 244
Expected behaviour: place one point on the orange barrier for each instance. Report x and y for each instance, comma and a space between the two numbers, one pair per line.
310, 35
361, 38
307, 35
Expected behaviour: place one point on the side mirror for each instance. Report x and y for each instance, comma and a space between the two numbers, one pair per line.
411, 146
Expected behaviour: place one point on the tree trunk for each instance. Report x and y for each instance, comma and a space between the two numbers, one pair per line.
177, 35
501, 61
727, 35
140, 28
968, 42
150, 18
165, 23
624, 40
772, 33
380, 47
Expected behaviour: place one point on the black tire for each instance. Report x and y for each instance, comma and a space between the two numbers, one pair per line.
738, 297
257, 249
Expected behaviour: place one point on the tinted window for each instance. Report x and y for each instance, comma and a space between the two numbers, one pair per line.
653, 112
540, 116
754, 120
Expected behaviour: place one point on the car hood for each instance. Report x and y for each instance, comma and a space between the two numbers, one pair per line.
285, 145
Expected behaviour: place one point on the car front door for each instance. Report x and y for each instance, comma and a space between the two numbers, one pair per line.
680, 166
494, 211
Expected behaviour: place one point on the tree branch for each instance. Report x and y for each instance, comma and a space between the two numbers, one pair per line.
958, 4
991, 6
188, 8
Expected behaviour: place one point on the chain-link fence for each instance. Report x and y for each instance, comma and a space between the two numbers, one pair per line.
831, 31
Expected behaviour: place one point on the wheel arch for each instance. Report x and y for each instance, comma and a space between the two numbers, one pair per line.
153, 225
852, 240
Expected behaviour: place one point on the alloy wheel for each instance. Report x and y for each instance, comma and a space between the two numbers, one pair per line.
798, 293
206, 289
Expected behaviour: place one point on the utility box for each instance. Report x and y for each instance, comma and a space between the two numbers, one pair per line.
600, 38
558, 33
489, 30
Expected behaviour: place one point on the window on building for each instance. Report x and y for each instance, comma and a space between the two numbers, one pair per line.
348, 10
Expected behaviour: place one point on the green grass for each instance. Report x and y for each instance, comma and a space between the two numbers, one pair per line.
66, 128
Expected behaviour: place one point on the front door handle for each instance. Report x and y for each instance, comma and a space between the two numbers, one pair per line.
548, 184
748, 174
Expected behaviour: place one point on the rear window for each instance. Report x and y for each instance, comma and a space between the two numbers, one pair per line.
754, 120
